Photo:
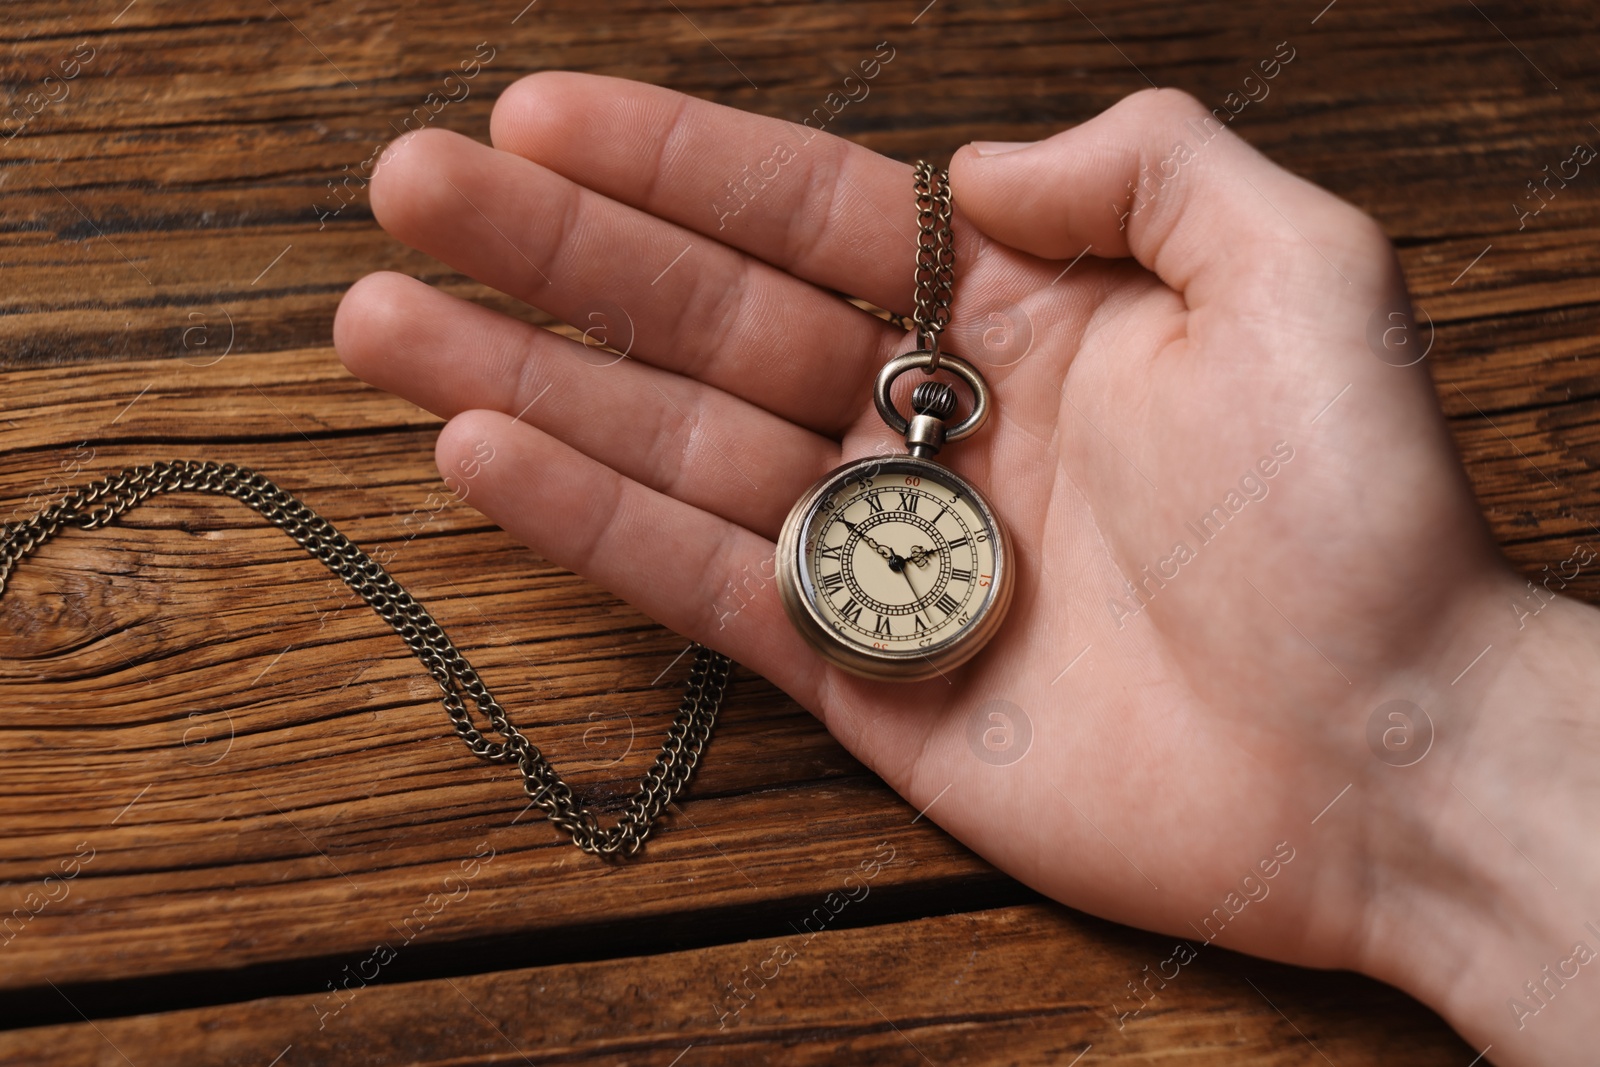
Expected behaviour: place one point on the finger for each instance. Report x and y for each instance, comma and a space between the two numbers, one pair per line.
711, 450
1162, 179
702, 576
808, 202
696, 306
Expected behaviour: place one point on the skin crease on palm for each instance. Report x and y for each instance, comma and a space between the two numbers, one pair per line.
1228, 314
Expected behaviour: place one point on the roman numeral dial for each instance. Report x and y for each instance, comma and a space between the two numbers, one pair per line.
896, 556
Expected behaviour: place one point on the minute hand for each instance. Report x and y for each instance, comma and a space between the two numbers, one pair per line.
906, 574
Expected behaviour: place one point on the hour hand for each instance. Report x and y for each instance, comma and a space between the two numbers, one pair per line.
879, 549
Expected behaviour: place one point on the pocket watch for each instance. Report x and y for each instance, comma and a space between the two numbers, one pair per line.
895, 567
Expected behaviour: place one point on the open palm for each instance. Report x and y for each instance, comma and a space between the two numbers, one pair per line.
1239, 530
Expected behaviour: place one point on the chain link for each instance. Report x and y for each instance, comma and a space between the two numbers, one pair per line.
936, 258
98, 503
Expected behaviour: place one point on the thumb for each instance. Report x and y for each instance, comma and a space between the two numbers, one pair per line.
1162, 179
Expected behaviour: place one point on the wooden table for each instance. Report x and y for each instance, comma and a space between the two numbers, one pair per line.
279, 851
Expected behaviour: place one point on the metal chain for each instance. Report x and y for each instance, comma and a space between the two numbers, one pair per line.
936, 258
97, 503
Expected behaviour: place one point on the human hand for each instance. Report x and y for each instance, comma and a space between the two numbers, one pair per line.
1208, 356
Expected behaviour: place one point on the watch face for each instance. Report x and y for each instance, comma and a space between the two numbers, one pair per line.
897, 567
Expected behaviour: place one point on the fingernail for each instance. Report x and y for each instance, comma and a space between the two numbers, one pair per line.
995, 148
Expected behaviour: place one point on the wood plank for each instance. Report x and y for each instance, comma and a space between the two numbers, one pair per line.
270, 774
249, 138
1033, 984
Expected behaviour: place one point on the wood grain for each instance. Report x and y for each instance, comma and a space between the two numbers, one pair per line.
1025, 985
259, 767
272, 775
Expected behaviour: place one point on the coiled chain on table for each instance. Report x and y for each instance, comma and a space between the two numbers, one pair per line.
99, 502
936, 257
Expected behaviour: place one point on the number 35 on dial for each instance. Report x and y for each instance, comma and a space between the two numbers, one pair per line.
895, 569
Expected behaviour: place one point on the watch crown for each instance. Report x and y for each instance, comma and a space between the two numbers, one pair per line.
934, 398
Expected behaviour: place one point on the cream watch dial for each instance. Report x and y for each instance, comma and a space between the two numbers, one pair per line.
897, 559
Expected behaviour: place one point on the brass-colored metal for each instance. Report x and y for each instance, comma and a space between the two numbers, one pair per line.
936, 257
884, 664
982, 400
99, 502
937, 399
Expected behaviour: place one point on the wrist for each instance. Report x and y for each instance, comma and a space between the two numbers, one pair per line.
1483, 882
